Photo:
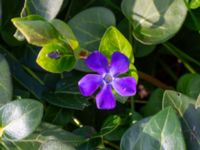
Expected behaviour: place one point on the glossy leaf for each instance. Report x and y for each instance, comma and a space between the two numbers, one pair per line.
185, 107
45, 8
153, 21
112, 41
155, 133
56, 145
23, 78
5, 82
66, 32
20, 118
46, 133
194, 4
109, 125
36, 30
56, 58
70, 101
88, 27
189, 85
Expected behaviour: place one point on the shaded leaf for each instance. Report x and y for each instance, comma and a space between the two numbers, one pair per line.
71, 101
20, 118
5, 82
154, 21
88, 27
66, 32
112, 41
185, 107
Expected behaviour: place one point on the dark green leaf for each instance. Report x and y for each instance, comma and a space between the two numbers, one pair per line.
154, 103
36, 30
113, 40
88, 27
71, 101
159, 132
185, 107
5, 82
23, 77
20, 118
56, 58
154, 21
110, 124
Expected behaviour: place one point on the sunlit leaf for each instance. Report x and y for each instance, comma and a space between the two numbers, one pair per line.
185, 107
20, 118
154, 21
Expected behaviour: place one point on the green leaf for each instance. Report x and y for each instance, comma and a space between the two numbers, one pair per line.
185, 107
88, 27
36, 30
45, 134
24, 78
109, 125
56, 145
194, 4
56, 58
154, 103
142, 50
71, 101
0, 14
158, 132
20, 118
45, 8
5, 82
197, 104
112, 41
189, 85
153, 21
66, 32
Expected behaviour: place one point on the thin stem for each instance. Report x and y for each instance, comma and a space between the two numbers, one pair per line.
153, 81
132, 105
111, 144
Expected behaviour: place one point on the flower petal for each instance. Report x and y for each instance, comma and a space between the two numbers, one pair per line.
89, 84
119, 63
105, 99
97, 62
125, 86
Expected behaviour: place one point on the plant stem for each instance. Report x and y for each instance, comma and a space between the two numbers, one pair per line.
153, 81
132, 105
111, 144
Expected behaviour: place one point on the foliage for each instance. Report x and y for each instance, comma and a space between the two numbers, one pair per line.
44, 49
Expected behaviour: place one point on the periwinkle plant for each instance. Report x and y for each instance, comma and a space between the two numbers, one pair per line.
107, 78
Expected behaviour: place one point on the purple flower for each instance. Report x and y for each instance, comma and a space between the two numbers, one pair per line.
107, 77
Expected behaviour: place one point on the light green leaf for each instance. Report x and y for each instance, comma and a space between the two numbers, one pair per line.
5, 82
154, 21
158, 132
194, 4
20, 118
66, 32
88, 27
36, 30
112, 41
197, 104
56, 58
185, 107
